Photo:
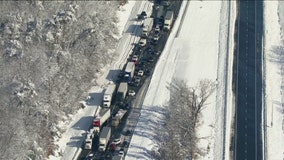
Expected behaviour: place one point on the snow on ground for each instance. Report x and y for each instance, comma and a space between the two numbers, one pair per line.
191, 54
274, 80
71, 140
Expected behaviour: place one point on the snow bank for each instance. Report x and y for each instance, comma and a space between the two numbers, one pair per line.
274, 79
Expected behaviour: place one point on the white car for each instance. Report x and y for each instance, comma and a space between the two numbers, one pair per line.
131, 93
157, 28
116, 141
140, 73
121, 153
142, 42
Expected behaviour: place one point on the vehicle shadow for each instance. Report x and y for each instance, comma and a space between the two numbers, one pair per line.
113, 74
95, 99
134, 29
75, 141
84, 123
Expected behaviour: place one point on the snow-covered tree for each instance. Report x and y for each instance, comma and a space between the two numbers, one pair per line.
50, 53
183, 112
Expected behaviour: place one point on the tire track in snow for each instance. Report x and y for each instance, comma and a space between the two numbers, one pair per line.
168, 49
134, 35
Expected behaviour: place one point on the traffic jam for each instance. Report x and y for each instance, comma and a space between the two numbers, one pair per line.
108, 138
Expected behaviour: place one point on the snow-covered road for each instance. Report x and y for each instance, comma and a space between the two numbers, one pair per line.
71, 140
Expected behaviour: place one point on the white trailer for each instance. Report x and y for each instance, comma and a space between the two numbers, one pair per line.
121, 92
168, 20
104, 138
129, 71
147, 26
117, 118
100, 119
108, 95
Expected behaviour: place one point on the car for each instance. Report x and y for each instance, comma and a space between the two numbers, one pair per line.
128, 132
135, 59
112, 147
150, 60
137, 84
121, 152
147, 72
142, 42
116, 141
157, 28
125, 143
127, 106
137, 79
108, 155
143, 13
166, 3
131, 93
131, 83
90, 156
140, 73
142, 62
156, 35
142, 16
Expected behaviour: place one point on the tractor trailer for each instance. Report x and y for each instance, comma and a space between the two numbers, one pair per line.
117, 118
108, 95
168, 20
129, 71
100, 119
104, 138
121, 92
147, 27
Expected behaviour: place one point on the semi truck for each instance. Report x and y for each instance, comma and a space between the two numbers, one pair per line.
101, 118
88, 141
129, 71
160, 15
121, 92
108, 95
104, 138
147, 27
117, 118
168, 20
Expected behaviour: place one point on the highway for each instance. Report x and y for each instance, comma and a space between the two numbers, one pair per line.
248, 142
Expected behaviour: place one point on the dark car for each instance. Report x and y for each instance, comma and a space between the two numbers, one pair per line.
150, 60
147, 73
127, 106
125, 143
156, 35
128, 132
142, 16
131, 83
143, 13
137, 84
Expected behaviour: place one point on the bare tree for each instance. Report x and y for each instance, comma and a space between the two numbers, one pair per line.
183, 110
